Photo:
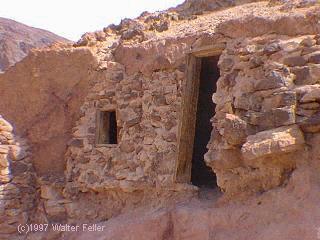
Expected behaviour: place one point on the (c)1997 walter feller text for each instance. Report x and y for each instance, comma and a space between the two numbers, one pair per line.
57, 227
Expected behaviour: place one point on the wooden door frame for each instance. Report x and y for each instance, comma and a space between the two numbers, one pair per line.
187, 123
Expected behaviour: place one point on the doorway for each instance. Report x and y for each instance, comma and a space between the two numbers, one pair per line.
195, 126
201, 174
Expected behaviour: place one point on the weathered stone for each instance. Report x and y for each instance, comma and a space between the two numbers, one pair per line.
92, 177
272, 80
7, 228
126, 186
130, 117
4, 149
127, 146
226, 64
314, 57
233, 128
223, 159
248, 102
311, 124
294, 61
170, 137
17, 153
311, 96
18, 168
131, 33
303, 90
279, 100
160, 26
13, 212
306, 112
308, 42
50, 193
255, 61
303, 76
273, 142
100, 36
53, 208
272, 48
4, 162
290, 46
5, 125
272, 119
87, 39
76, 143
159, 99
315, 72
229, 80
310, 106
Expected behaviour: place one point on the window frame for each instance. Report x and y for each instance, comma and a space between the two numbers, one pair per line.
99, 126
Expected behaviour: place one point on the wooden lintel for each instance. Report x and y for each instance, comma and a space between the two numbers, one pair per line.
207, 51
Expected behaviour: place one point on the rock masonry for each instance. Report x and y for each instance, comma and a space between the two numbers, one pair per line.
266, 111
266, 125
18, 191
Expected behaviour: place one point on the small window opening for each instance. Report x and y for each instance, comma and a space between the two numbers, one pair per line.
107, 128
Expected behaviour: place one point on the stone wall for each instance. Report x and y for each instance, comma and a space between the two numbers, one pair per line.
141, 166
258, 139
260, 127
267, 111
18, 190
266, 123
39, 117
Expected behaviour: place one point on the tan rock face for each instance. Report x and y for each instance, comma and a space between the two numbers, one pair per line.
312, 96
273, 142
53, 95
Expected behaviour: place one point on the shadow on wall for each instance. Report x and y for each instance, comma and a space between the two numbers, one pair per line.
44, 108
17, 181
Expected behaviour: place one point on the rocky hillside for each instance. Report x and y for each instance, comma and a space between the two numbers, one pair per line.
17, 39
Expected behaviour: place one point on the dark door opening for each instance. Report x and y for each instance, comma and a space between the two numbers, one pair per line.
201, 175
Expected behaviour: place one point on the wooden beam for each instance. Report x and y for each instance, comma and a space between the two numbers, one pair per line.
207, 51
188, 120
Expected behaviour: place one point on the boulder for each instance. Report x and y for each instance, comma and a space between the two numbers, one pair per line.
294, 61
279, 100
233, 128
302, 75
273, 79
311, 96
311, 124
223, 159
314, 57
273, 142
272, 119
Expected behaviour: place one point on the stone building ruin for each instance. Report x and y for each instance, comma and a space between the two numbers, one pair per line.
215, 94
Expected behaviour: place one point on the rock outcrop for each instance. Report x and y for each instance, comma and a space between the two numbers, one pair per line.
16, 41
